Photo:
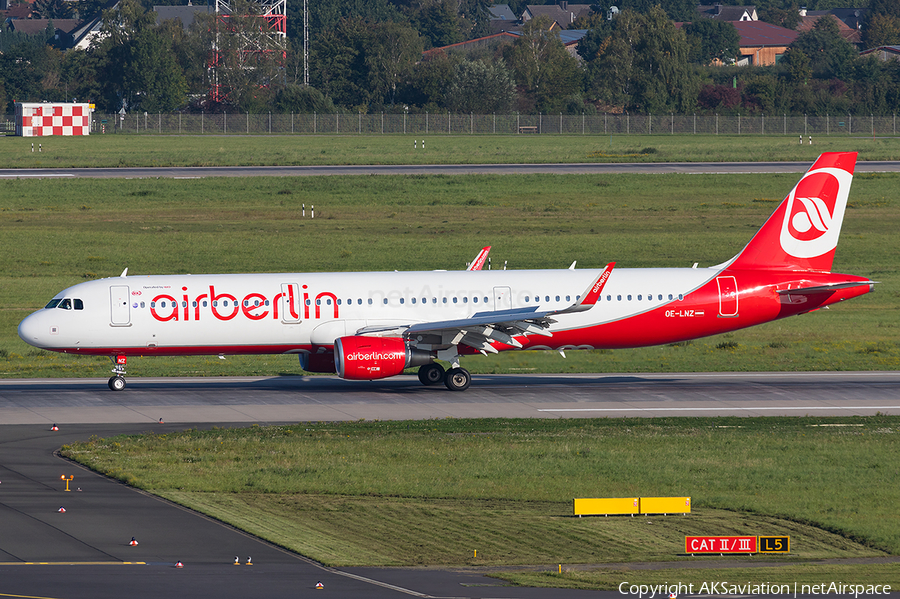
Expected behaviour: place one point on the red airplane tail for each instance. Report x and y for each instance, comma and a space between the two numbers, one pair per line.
803, 232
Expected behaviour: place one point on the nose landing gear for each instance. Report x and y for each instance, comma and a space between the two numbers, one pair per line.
117, 382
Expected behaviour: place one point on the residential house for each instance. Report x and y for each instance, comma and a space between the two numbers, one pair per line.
884, 53
563, 13
762, 44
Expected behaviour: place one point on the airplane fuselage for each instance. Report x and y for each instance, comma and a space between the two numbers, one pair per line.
300, 312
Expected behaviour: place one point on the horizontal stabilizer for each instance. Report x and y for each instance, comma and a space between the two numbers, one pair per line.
824, 288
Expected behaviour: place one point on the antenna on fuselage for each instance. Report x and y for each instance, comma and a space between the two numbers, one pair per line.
124, 273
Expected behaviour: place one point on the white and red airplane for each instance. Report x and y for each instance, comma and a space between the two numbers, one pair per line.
368, 326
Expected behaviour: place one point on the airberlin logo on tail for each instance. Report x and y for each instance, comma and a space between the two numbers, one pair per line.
814, 212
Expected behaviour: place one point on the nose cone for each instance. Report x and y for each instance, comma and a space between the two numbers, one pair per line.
32, 331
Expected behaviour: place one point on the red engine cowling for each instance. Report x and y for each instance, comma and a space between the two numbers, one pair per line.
370, 358
317, 362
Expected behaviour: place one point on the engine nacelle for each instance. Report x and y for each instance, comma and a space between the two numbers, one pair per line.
369, 358
316, 362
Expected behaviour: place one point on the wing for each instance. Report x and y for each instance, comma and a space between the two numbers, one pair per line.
482, 329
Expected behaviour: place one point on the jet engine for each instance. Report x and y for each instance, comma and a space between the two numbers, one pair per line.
369, 358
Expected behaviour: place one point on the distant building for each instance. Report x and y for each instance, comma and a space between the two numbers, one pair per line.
762, 44
563, 14
808, 23
503, 19
884, 53
568, 37
851, 17
63, 29
720, 12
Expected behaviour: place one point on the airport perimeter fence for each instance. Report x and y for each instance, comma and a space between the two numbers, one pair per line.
491, 124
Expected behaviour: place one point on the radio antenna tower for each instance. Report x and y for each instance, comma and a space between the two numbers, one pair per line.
305, 42
269, 40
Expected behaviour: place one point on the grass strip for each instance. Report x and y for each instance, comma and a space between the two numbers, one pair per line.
123, 150
433, 492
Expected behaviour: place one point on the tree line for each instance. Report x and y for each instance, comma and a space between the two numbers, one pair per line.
369, 56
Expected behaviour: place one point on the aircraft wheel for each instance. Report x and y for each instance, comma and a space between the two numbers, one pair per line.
117, 383
458, 379
431, 374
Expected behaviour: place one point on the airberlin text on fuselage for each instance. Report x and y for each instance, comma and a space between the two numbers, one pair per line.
226, 306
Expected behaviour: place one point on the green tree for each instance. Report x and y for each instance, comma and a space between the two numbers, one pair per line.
785, 15
52, 9
153, 79
643, 65
544, 71
302, 99
884, 7
829, 54
710, 40
482, 88
676, 10
337, 63
882, 30
797, 64
439, 23
391, 50
427, 82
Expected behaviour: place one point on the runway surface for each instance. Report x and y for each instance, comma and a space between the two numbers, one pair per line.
87, 546
436, 169
328, 398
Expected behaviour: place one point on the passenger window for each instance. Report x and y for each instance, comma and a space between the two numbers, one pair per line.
444, 300
79, 305
670, 296
402, 301
385, 301
629, 297
640, 297
370, 301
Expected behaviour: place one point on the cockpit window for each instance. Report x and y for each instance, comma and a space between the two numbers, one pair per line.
53, 303
66, 304
79, 305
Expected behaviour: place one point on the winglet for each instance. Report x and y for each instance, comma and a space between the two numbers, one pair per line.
480, 259
592, 293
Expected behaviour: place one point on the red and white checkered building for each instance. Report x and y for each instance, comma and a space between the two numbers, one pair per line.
42, 119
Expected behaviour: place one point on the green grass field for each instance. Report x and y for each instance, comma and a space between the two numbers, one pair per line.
55, 233
435, 492
152, 150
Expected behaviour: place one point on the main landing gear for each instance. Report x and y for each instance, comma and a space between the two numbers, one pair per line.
456, 379
117, 382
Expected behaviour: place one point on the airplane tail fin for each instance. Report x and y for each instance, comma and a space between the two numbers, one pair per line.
802, 234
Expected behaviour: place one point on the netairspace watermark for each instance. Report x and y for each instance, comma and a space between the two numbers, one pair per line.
651, 591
